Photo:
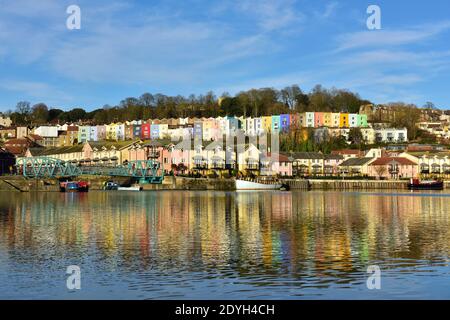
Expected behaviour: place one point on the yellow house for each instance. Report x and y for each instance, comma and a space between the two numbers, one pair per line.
267, 123
111, 131
327, 119
344, 121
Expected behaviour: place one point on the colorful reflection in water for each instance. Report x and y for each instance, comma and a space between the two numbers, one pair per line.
224, 245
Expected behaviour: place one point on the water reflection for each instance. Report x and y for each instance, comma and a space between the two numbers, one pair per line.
182, 244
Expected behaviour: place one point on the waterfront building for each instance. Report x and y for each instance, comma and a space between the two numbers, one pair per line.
248, 159
393, 168
331, 164
356, 166
174, 155
276, 164
348, 153
107, 152
72, 154
307, 163
430, 162
216, 156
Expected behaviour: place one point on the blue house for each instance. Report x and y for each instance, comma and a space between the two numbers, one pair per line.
136, 131
154, 131
233, 124
284, 122
276, 124
198, 130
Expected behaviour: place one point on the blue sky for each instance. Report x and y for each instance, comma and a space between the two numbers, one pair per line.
126, 48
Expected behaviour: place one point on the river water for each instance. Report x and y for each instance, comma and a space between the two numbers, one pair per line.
225, 245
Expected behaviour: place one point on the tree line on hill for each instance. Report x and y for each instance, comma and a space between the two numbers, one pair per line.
254, 102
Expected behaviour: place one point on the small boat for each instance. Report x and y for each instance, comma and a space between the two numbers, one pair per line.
110, 185
135, 188
74, 186
260, 185
416, 184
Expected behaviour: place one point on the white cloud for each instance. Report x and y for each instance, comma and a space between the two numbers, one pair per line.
390, 38
272, 14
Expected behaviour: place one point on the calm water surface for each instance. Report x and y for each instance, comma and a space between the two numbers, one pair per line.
224, 245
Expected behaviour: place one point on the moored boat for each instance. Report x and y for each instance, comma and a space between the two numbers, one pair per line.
74, 186
416, 184
260, 185
133, 188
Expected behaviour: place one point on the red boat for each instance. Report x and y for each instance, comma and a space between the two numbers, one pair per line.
416, 184
74, 186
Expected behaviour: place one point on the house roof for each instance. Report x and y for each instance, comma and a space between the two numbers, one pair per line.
439, 154
282, 157
35, 137
17, 151
333, 156
355, 162
387, 160
54, 151
11, 142
108, 144
347, 152
306, 155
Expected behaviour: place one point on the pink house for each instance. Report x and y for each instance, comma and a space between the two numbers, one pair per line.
318, 119
393, 168
280, 165
174, 156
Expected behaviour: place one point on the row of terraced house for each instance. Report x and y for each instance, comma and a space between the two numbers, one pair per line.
214, 157
208, 129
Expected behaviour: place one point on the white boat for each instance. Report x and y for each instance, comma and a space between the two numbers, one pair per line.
250, 185
129, 188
